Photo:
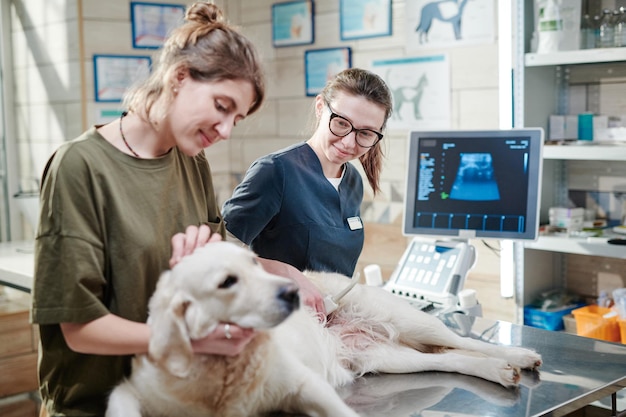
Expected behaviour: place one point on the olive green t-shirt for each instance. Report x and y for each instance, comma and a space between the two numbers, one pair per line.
103, 240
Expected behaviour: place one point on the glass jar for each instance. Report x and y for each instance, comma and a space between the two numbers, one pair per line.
595, 21
619, 27
606, 37
587, 33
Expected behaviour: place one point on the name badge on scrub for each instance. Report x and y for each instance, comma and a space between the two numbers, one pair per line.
355, 223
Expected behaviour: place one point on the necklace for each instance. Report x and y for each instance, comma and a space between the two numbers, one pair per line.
124, 137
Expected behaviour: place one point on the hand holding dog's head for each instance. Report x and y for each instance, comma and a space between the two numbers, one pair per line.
220, 282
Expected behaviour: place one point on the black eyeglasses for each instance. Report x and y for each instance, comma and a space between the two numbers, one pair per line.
340, 126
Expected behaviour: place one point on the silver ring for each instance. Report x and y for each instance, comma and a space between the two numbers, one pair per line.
227, 334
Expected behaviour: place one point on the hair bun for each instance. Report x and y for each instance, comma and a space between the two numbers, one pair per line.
204, 12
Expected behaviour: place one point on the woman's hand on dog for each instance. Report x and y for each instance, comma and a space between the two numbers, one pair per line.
185, 243
226, 339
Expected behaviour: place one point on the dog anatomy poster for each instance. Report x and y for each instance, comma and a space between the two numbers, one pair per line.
421, 91
440, 23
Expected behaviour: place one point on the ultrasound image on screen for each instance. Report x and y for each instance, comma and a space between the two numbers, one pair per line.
475, 179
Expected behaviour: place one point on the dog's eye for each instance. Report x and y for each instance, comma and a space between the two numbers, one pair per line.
229, 282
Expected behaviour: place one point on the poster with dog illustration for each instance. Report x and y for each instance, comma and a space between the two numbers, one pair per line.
421, 91
445, 23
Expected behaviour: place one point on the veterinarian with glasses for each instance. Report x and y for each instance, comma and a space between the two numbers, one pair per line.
116, 208
301, 205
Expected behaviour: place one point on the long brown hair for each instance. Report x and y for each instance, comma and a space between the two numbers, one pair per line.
209, 49
366, 84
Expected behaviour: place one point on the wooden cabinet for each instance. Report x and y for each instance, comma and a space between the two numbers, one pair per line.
18, 347
591, 175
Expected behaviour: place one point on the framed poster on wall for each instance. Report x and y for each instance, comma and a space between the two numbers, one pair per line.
420, 87
151, 22
359, 19
113, 74
292, 23
321, 65
448, 24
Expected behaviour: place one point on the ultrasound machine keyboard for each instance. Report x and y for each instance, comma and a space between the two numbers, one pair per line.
431, 273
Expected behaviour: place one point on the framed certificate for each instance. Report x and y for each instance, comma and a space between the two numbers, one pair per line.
292, 23
364, 19
113, 74
151, 22
322, 65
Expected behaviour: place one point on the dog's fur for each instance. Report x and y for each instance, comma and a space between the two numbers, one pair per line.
295, 362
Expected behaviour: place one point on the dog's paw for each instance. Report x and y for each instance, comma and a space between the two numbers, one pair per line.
501, 372
524, 358
509, 375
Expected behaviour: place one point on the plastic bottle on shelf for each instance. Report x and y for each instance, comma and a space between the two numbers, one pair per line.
550, 27
606, 37
595, 21
619, 27
587, 34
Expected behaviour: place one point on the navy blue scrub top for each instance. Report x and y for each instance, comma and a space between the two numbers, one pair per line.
287, 210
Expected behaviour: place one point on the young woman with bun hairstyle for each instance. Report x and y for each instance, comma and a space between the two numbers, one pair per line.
125, 201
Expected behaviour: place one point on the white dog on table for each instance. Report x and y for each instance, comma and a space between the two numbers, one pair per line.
295, 362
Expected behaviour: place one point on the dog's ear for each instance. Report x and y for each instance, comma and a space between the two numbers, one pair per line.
198, 321
170, 345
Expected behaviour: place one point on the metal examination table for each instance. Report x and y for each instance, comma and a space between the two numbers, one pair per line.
576, 370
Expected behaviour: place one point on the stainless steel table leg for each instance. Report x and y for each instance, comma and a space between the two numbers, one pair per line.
614, 411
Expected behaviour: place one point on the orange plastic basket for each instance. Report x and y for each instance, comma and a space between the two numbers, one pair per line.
590, 322
622, 329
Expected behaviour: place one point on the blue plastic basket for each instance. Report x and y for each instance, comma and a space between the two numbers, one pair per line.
548, 319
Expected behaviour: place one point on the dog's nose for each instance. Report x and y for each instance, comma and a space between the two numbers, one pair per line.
289, 295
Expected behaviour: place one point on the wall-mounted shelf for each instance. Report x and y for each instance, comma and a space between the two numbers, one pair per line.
592, 151
577, 246
583, 56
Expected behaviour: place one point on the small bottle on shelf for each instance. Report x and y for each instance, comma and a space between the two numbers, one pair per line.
619, 27
595, 23
587, 34
606, 37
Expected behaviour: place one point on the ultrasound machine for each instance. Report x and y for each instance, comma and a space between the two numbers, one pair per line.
463, 185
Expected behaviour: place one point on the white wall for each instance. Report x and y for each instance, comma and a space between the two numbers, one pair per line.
45, 90
47, 81
285, 117
54, 99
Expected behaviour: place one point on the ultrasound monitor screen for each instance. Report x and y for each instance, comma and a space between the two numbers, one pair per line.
474, 183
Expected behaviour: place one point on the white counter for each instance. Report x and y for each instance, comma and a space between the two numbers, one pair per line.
17, 264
